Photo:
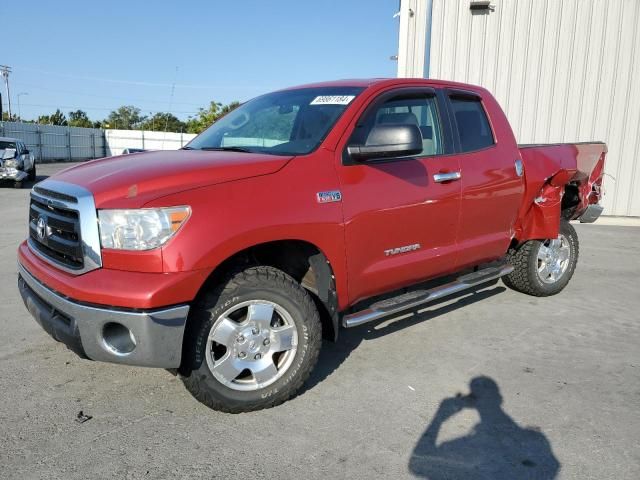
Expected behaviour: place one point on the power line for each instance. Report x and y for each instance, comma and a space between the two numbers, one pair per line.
109, 97
252, 88
93, 108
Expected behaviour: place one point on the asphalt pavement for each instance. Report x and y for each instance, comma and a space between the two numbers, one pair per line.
494, 384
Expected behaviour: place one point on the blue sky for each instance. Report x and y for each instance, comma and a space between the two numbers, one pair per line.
97, 56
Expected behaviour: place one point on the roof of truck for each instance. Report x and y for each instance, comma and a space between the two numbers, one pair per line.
368, 82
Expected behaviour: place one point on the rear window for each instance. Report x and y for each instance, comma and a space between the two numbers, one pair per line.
473, 125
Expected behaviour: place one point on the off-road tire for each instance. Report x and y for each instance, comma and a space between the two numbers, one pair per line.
524, 260
264, 283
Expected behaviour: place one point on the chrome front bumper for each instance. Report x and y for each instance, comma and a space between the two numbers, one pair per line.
591, 214
12, 174
144, 338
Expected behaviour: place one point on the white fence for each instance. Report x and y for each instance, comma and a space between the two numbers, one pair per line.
118, 140
51, 143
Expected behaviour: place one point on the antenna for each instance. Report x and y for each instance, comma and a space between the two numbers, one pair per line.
166, 122
5, 70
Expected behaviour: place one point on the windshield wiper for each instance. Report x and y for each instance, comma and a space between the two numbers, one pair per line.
227, 149
188, 148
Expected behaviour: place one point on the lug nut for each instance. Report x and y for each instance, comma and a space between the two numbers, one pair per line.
255, 331
242, 355
258, 356
240, 338
266, 342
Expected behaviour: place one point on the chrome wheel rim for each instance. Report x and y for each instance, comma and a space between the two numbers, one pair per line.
554, 256
251, 345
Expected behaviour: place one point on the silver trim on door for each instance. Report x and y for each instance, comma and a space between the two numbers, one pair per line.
446, 177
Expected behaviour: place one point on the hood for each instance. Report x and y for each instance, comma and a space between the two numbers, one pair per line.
130, 181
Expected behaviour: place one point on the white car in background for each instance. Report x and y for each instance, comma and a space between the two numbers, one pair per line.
16, 162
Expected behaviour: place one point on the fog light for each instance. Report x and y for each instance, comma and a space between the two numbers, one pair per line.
118, 338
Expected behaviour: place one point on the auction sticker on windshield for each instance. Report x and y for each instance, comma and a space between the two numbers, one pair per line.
332, 100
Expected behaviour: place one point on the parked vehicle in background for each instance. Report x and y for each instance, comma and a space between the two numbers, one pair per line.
16, 162
229, 259
127, 151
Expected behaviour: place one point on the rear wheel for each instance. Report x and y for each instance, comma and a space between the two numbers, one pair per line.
253, 342
544, 267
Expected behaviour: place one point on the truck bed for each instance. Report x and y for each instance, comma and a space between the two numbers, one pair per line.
578, 164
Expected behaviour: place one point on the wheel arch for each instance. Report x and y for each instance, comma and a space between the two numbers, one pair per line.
305, 262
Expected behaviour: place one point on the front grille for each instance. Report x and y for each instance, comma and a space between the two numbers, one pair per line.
54, 231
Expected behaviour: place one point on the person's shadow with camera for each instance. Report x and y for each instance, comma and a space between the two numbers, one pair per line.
496, 448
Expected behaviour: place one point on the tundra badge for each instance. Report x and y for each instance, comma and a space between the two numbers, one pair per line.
405, 249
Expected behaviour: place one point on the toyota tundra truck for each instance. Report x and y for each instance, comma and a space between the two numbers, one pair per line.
301, 212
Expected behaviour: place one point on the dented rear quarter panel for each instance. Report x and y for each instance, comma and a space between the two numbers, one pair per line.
547, 170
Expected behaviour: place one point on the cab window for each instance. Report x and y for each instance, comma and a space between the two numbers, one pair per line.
413, 110
473, 125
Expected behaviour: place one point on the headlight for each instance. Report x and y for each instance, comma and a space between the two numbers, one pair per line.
17, 164
141, 229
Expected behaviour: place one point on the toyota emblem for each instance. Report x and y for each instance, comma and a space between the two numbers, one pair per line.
41, 228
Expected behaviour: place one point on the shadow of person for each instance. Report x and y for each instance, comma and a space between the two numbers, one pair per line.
496, 448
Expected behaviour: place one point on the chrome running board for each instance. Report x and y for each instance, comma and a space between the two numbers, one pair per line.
416, 298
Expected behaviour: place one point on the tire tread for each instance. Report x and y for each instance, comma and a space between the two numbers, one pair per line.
523, 277
258, 276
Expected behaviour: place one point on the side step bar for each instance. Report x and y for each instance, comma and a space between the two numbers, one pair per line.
416, 298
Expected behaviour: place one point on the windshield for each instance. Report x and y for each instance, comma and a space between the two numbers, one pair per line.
4, 145
291, 122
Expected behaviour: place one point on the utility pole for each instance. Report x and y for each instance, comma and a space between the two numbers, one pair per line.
5, 70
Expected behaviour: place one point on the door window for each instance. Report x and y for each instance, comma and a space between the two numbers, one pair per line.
421, 111
473, 125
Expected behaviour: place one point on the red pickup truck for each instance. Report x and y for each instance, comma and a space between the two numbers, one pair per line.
302, 211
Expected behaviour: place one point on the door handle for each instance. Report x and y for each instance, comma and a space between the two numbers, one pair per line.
446, 177
519, 167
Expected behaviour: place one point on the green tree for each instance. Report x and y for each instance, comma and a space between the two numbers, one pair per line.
126, 117
12, 118
228, 108
79, 118
57, 118
163, 121
206, 116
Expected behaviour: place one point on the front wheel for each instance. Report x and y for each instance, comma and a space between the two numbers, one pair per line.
252, 342
32, 173
544, 267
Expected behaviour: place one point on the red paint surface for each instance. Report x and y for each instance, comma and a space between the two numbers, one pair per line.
239, 200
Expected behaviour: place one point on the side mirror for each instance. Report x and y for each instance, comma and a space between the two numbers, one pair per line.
25, 152
389, 140
9, 153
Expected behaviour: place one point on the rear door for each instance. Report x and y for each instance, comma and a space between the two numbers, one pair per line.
400, 224
492, 184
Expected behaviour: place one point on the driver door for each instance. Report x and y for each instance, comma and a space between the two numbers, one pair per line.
401, 220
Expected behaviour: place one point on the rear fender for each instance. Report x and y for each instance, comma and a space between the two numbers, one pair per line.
542, 220
551, 172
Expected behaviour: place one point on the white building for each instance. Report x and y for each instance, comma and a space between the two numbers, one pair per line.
563, 71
